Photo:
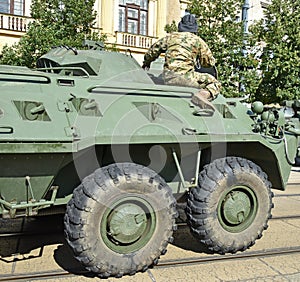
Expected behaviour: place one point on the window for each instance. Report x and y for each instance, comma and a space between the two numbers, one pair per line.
133, 16
15, 7
4, 6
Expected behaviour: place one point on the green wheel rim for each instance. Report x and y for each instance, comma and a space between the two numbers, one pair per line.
128, 224
237, 209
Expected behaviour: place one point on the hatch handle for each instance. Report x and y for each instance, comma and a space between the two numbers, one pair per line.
37, 110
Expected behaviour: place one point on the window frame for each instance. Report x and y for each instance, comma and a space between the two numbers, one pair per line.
127, 7
11, 8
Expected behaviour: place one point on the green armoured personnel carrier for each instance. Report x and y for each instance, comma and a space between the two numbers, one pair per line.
91, 134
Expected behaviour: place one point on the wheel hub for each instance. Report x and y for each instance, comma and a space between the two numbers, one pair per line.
237, 209
127, 223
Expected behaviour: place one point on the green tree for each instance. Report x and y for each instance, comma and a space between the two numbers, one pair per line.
56, 22
280, 59
225, 37
172, 27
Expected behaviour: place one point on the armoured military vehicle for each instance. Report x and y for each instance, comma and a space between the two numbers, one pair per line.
89, 133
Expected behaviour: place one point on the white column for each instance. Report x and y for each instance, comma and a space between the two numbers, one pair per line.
116, 15
161, 17
107, 16
152, 17
27, 8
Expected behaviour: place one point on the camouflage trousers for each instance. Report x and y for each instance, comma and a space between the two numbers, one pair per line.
194, 79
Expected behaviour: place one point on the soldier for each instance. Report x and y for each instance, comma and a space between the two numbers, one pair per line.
183, 50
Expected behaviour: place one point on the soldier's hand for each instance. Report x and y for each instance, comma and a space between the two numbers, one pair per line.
146, 66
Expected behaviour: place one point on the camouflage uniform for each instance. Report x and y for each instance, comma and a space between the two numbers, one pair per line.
182, 50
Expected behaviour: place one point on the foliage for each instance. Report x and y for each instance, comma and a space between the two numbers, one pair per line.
172, 27
56, 22
270, 71
224, 35
280, 58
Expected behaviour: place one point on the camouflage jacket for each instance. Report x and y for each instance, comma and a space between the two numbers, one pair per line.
182, 50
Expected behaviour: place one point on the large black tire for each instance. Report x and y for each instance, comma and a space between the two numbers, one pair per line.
120, 220
231, 206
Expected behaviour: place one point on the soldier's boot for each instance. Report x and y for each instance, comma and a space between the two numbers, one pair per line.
201, 99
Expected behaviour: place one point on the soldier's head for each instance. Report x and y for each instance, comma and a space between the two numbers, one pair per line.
188, 23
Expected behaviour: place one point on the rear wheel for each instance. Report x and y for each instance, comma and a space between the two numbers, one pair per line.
231, 206
120, 219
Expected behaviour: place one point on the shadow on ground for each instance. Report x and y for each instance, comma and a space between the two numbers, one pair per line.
22, 235
185, 240
26, 235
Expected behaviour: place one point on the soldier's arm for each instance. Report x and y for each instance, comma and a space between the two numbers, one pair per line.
154, 51
206, 57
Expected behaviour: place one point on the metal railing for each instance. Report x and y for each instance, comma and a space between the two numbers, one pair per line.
134, 40
14, 23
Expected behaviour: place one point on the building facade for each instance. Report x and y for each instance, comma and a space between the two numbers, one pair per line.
14, 18
129, 24
136, 24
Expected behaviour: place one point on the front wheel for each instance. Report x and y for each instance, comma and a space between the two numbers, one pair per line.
120, 220
231, 206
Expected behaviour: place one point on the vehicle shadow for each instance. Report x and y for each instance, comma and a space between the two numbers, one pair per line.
22, 235
64, 257
183, 239
28, 235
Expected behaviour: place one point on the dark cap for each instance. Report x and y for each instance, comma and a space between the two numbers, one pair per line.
188, 23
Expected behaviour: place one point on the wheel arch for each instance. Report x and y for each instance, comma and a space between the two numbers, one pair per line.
271, 162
